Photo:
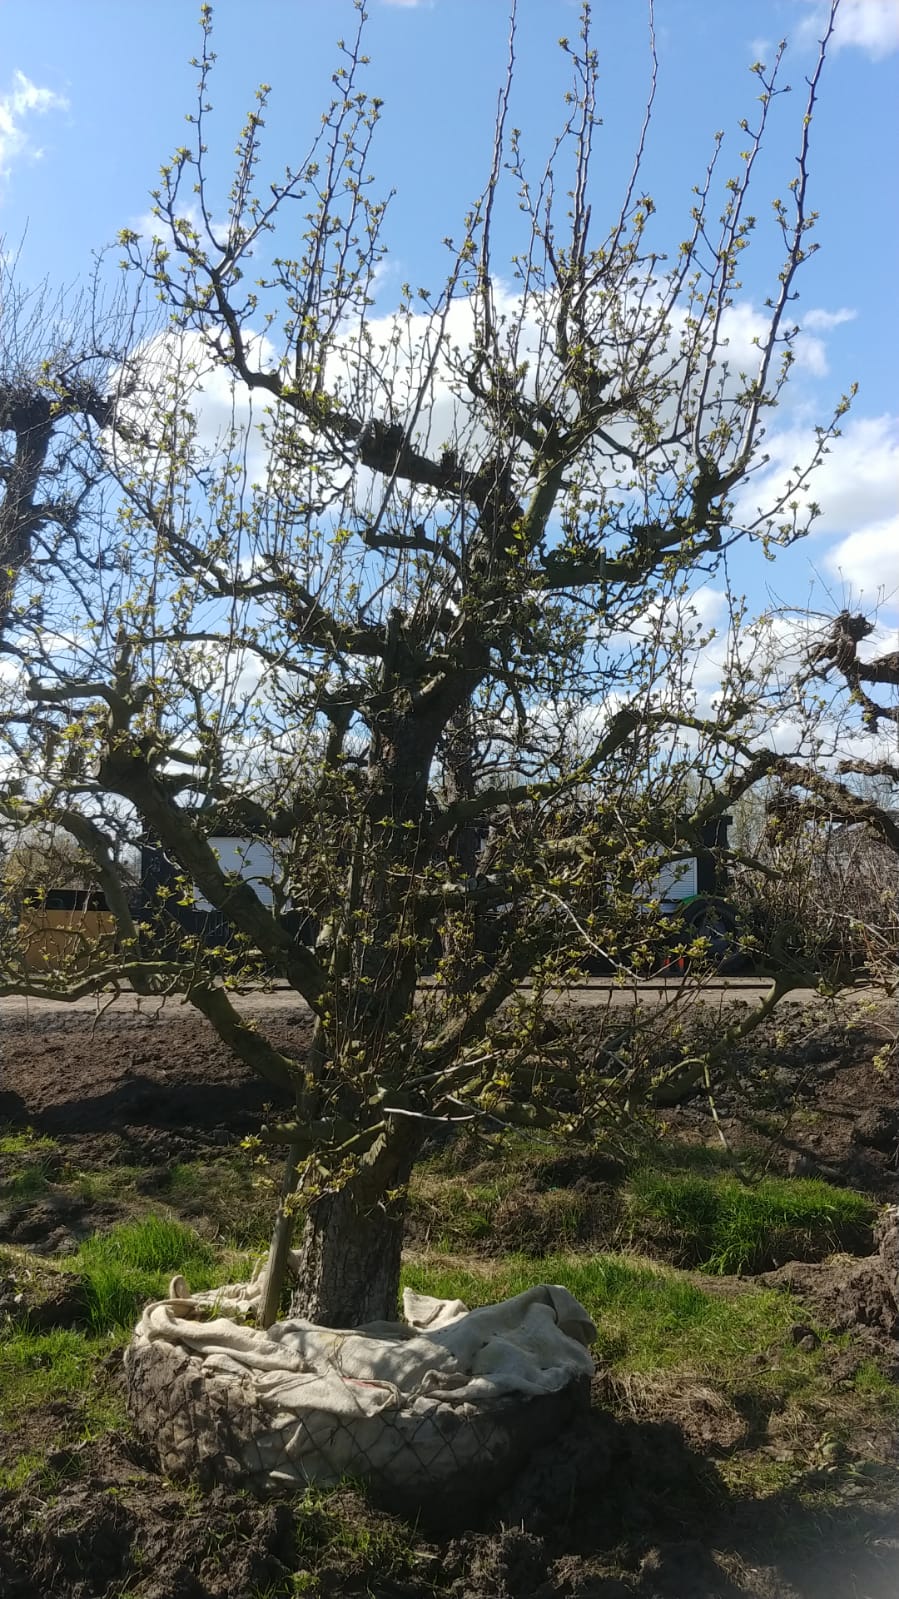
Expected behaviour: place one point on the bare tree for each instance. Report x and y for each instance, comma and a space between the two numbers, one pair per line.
392, 595
56, 355
826, 830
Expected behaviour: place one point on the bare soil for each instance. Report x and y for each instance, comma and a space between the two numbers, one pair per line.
139, 1087
633, 1500
816, 1094
627, 1507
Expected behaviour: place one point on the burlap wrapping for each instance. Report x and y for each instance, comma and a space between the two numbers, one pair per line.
449, 1399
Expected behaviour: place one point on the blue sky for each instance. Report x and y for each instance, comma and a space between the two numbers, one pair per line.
93, 95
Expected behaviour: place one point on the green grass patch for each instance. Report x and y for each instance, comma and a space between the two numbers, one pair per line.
341, 1524
694, 1206
63, 1368
451, 1212
12, 1477
234, 1197
29, 1183
25, 1143
706, 1160
36, 1166
874, 1384
132, 1263
39, 1366
647, 1319
30, 1162
112, 1182
119, 1271
720, 1224
472, 1197
153, 1244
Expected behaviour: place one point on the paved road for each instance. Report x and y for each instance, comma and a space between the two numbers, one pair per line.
598, 993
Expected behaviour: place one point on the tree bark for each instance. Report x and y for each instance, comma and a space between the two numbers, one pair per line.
350, 1252
350, 1263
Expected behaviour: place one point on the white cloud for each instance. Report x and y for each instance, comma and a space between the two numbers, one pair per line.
868, 561
448, 413
407, 369
149, 225
869, 25
821, 321
226, 417
856, 485
23, 100
745, 327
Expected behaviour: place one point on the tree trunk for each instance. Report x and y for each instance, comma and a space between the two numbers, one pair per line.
350, 1263
349, 1266
349, 1270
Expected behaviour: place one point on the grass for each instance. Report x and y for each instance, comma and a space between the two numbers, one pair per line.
874, 1383
112, 1182
30, 1162
516, 1218
25, 1143
63, 1368
691, 1207
29, 1183
341, 1523
230, 1194
13, 1477
452, 1211
132, 1263
60, 1364
720, 1224
235, 1198
647, 1318
120, 1270
38, 1366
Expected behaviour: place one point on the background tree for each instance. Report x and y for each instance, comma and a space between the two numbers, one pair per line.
392, 595
826, 832
56, 356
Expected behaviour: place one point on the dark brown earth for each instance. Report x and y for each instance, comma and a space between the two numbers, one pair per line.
631, 1504
814, 1095
628, 1508
817, 1095
144, 1087
146, 1091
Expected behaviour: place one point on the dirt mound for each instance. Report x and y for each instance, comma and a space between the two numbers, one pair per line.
860, 1297
42, 1298
631, 1503
158, 1086
514, 1564
115, 1529
706, 1419
541, 1221
96, 1521
811, 1094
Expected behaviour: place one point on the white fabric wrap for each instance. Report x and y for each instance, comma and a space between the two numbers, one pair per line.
431, 1395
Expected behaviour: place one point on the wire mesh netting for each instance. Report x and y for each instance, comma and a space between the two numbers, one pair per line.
448, 1398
